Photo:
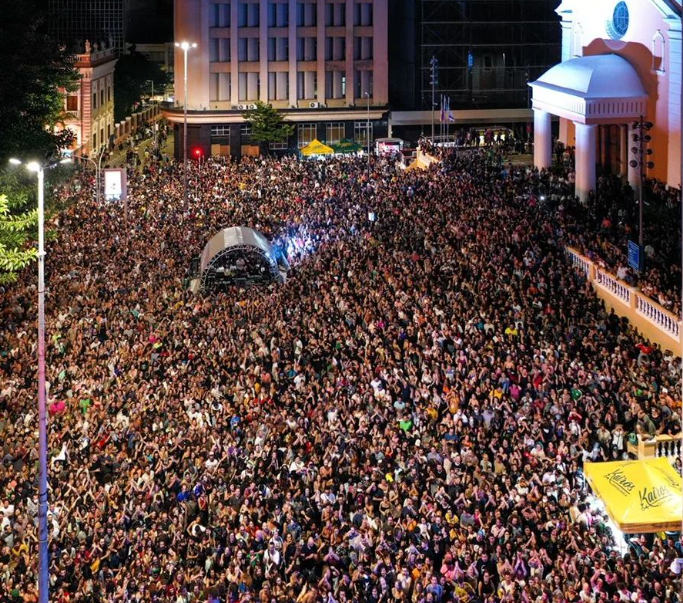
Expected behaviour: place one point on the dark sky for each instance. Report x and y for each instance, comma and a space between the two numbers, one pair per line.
150, 21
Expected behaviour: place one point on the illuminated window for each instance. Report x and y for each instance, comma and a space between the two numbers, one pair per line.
335, 132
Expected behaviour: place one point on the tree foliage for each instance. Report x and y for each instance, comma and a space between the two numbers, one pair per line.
132, 77
34, 68
15, 230
267, 124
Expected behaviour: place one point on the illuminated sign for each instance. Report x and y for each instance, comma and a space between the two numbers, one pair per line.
114, 185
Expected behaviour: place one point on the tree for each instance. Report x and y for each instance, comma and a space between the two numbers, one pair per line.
15, 229
267, 124
34, 69
132, 77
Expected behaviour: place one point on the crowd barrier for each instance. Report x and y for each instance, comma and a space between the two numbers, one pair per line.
659, 446
650, 318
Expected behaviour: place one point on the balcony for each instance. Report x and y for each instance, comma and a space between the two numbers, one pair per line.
659, 446
653, 321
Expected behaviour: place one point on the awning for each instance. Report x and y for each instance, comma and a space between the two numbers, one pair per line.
346, 146
316, 148
640, 496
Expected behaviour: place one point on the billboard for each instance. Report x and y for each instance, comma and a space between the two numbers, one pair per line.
115, 185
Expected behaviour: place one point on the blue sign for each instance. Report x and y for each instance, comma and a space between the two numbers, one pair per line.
635, 256
470, 60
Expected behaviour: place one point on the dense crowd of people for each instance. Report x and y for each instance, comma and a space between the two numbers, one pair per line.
405, 419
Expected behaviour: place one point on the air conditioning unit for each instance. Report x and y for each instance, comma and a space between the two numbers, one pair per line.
251, 107
315, 105
242, 107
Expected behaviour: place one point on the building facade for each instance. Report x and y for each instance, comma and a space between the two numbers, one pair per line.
487, 52
74, 21
621, 61
323, 63
89, 110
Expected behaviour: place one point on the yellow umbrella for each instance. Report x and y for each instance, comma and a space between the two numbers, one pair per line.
640, 496
316, 147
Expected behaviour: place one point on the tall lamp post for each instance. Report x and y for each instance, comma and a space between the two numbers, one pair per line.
98, 169
185, 47
434, 75
641, 161
367, 131
43, 560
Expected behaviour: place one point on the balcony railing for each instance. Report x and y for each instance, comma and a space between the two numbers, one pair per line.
643, 312
659, 446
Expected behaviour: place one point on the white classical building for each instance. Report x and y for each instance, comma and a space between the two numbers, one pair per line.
621, 59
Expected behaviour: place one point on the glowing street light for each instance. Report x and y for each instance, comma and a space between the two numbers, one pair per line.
185, 47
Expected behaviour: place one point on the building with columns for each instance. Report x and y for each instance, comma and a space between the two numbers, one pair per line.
621, 60
323, 63
89, 110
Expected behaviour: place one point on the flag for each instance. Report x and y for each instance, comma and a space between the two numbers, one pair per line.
451, 118
443, 109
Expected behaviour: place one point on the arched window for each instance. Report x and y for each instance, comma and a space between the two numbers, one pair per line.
577, 41
658, 43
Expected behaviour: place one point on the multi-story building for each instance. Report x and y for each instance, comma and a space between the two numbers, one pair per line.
90, 108
74, 21
487, 52
323, 63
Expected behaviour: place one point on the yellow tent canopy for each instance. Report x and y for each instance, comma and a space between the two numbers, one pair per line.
640, 496
316, 147
417, 164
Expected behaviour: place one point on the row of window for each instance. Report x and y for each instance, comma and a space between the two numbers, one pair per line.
97, 100
248, 49
249, 85
307, 133
249, 14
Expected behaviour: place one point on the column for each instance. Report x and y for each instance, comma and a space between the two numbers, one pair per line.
543, 151
263, 52
234, 56
623, 151
292, 54
633, 172
603, 148
586, 141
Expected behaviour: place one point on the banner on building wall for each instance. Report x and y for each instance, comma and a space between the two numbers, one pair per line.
115, 185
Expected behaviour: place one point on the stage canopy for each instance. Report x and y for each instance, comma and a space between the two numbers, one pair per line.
640, 496
238, 255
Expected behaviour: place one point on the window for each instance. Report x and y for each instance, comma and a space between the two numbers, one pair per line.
102, 97
248, 87
278, 14
94, 141
306, 14
72, 102
224, 50
307, 49
487, 62
362, 48
335, 132
242, 14
306, 133
213, 86
242, 49
278, 49
219, 15
253, 53
279, 146
362, 14
253, 15
94, 100
245, 131
213, 49
278, 85
360, 132
329, 14
272, 14
335, 49
224, 84
222, 130
307, 85
335, 84
109, 93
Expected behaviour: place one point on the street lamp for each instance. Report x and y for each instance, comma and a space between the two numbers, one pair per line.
43, 560
185, 47
98, 169
367, 131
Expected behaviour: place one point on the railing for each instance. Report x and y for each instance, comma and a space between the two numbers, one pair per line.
659, 446
642, 311
613, 285
657, 315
